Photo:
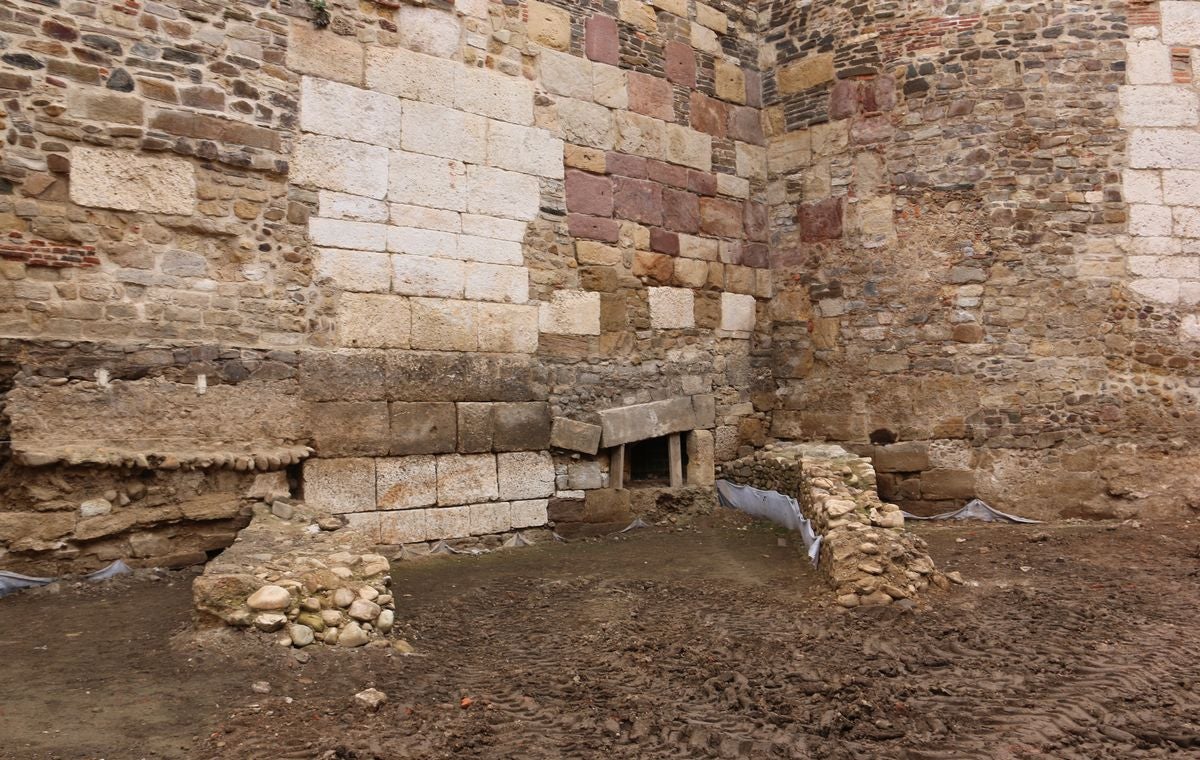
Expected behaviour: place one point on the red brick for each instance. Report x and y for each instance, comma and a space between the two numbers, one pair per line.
721, 217
626, 165
745, 125
668, 174
708, 114
681, 211
821, 220
756, 255
651, 96
753, 89
702, 183
663, 241
589, 193
601, 41
593, 227
843, 99
755, 219
681, 64
638, 200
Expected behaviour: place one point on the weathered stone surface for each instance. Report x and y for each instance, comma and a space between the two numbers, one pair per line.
128, 181
449, 522
525, 475
529, 514
404, 526
573, 435
737, 312
349, 428
902, 457
701, 458
466, 478
570, 312
340, 485
338, 110
672, 308
641, 421
405, 482
521, 426
422, 427
495, 517
330, 163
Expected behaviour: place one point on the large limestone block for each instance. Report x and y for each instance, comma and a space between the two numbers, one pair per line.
496, 192
413, 76
444, 325
349, 428
129, 181
1148, 62
493, 227
1180, 22
1159, 106
421, 180
373, 320
638, 422
688, 147
424, 276
520, 426
341, 233
331, 163
525, 474
583, 123
672, 308
574, 435
466, 478
1179, 188
507, 328
423, 427
1164, 149
339, 110
334, 205
324, 54
524, 149
737, 312
421, 376
447, 132
805, 73
731, 81
449, 522
405, 482
488, 250
496, 282
701, 466
548, 25
424, 218
490, 518
529, 514
566, 75
414, 241
361, 271
404, 526
570, 312
909, 456
340, 485
610, 86
430, 31
494, 95
641, 135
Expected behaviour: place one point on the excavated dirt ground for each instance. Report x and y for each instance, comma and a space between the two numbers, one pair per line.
1079, 641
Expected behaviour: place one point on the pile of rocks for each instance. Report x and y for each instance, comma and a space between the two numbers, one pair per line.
866, 554
301, 574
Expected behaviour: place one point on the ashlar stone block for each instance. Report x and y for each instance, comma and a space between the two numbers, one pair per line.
423, 427
129, 181
334, 205
421, 180
507, 328
737, 312
423, 276
490, 518
489, 250
361, 271
410, 75
1159, 106
1148, 62
405, 526
570, 312
414, 241
1180, 22
650, 420
449, 522
565, 74
585, 123
531, 513
429, 30
331, 163
466, 478
496, 282
332, 56
672, 308
1164, 149
520, 426
525, 474
405, 482
447, 132
574, 435
339, 110
444, 325
494, 95
548, 25
525, 149
496, 192
372, 320
340, 485
341, 233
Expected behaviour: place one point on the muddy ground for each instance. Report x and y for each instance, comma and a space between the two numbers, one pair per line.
1078, 641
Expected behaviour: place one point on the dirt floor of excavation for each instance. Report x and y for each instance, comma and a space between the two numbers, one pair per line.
717, 640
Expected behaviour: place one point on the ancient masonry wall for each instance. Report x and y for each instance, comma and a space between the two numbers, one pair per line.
398, 246
962, 290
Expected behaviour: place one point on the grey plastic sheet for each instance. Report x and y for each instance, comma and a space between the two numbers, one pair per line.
11, 582
976, 509
774, 506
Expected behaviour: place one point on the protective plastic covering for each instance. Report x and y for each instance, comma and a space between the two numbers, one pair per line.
10, 582
774, 506
976, 509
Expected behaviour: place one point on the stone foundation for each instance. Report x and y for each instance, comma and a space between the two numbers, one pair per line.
866, 554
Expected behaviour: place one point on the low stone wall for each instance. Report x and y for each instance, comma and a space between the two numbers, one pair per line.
866, 553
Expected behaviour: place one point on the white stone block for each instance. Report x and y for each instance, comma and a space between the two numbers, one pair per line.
405, 526
495, 192
705, 39
1180, 22
525, 474
373, 320
493, 227
422, 276
1142, 186
405, 482
466, 478
361, 271
750, 160
1164, 149
339, 110
405, 74
706, 249
330, 163
1149, 221
672, 308
430, 31
1164, 266
530, 514
1189, 327
565, 74
129, 181
363, 523
340, 233
334, 205
1187, 223
585, 123
444, 325
610, 86
688, 147
737, 312
490, 518
447, 132
735, 187
1148, 62
404, 215
1158, 105
496, 282
528, 150
494, 95
570, 312
449, 522
340, 485
1155, 246
489, 250
1160, 290
507, 328
1180, 188
421, 180
418, 242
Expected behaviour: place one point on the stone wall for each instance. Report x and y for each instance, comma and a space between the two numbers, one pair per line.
958, 291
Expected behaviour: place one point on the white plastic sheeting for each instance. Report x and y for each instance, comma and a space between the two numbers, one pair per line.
774, 506
10, 582
976, 509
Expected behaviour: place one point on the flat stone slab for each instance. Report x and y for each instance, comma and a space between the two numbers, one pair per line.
638, 422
